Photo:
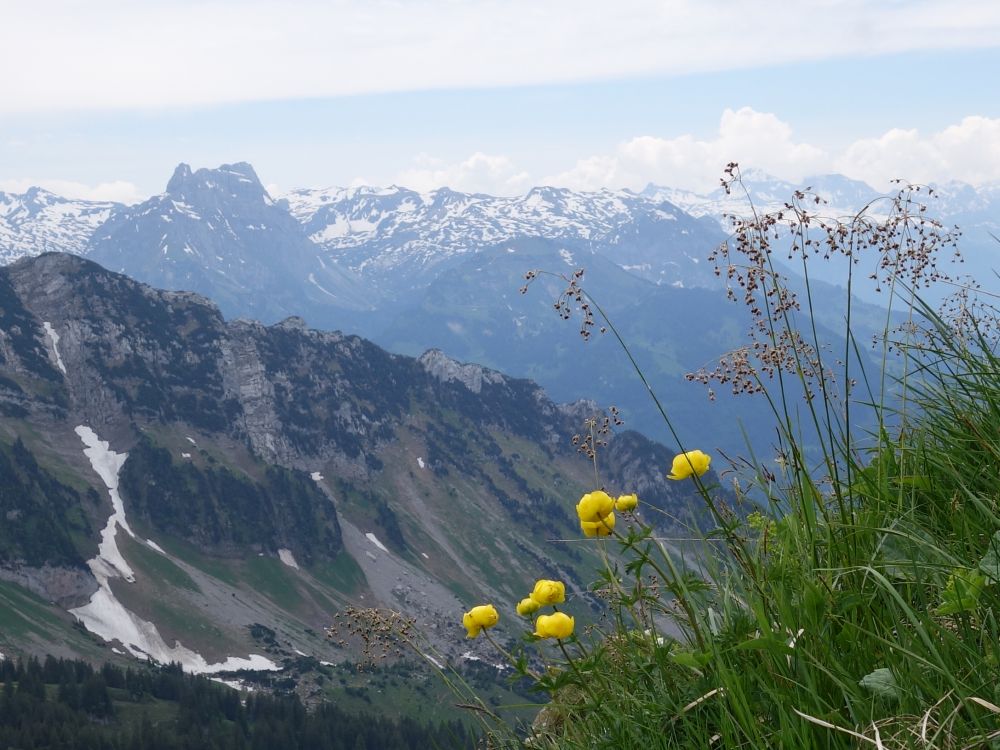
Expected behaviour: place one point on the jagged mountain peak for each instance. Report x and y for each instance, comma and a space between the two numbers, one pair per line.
439, 365
40, 196
218, 232
238, 180
182, 173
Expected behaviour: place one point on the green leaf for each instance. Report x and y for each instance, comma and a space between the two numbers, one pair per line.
990, 564
773, 643
916, 481
962, 592
692, 659
882, 682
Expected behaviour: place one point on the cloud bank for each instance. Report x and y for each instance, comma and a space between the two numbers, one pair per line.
120, 54
968, 151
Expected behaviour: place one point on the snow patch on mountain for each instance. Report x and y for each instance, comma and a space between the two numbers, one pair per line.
235, 684
109, 562
286, 556
375, 540
54, 340
312, 280
107, 617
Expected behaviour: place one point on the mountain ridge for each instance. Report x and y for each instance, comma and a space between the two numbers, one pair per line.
272, 474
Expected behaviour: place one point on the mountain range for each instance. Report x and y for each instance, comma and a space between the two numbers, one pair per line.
415, 271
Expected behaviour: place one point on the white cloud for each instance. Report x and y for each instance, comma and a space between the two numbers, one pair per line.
686, 161
484, 173
116, 190
968, 151
70, 54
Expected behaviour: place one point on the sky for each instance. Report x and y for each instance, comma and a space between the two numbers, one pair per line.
102, 99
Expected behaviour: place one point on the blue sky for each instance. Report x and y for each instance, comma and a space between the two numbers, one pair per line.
497, 96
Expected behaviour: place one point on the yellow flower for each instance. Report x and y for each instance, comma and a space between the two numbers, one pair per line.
527, 606
603, 527
479, 618
549, 592
686, 464
556, 625
626, 502
594, 506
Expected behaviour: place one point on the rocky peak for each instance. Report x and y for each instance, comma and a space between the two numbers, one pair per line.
237, 180
179, 178
580, 410
36, 197
439, 365
292, 323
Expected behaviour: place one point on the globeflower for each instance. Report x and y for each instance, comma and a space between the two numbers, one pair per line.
594, 506
479, 618
527, 606
548, 592
626, 502
603, 527
688, 464
556, 625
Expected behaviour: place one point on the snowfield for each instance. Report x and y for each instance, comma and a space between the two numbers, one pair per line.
107, 617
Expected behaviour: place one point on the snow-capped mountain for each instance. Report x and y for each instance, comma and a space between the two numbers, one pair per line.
219, 233
843, 196
953, 202
380, 231
38, 221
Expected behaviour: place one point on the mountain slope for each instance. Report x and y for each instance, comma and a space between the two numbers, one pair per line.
253, 480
